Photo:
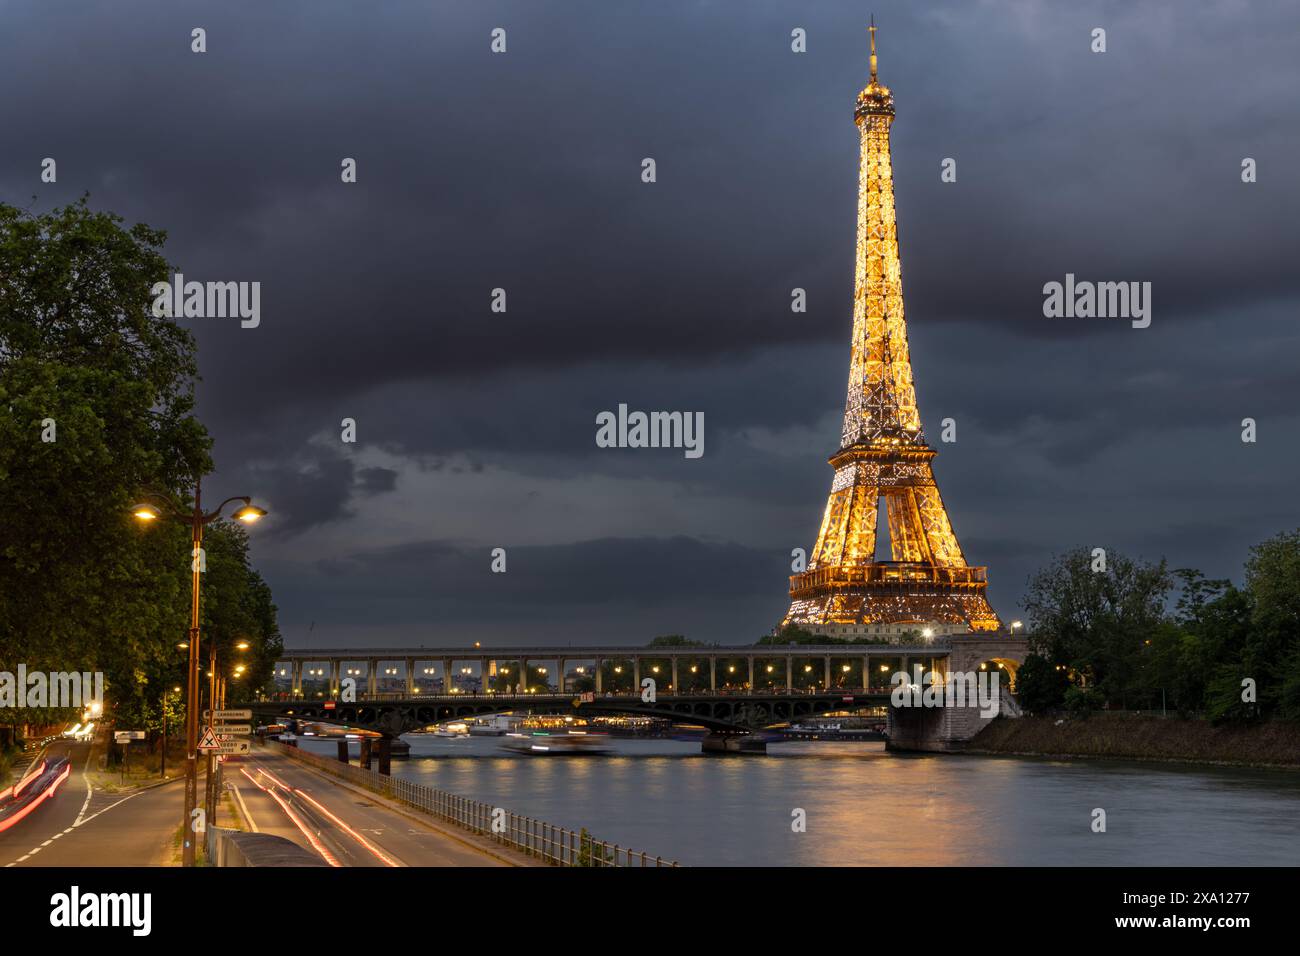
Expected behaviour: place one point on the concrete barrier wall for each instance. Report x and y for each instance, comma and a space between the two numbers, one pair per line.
238, 848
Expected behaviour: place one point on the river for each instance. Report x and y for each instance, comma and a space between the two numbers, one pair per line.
866, 807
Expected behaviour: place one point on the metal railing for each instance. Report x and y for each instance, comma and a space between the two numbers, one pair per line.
512, 699
556, 845
885, 573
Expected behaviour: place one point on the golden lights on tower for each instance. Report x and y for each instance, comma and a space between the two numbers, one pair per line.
883, 453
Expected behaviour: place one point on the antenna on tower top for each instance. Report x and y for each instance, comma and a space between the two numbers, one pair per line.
872, 30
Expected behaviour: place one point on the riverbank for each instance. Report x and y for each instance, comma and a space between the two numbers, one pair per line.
1274, 745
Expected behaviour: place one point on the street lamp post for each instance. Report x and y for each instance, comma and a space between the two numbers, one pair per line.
166, 507
162, 769
216, 701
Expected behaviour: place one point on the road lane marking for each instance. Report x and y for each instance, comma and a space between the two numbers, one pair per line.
243, 807
79, 822
85, 775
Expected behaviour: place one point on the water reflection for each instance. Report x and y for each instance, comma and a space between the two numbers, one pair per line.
866, 807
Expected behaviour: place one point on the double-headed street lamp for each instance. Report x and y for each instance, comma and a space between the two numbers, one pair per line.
154, 507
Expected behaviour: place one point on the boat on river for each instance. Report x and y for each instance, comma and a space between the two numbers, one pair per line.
543, 744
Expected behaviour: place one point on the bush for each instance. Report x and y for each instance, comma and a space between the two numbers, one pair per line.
1040, 687
1080, 702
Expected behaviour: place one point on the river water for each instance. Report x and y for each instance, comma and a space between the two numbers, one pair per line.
866, 807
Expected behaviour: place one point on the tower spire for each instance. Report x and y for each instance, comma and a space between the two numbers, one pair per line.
872, 30
883, 462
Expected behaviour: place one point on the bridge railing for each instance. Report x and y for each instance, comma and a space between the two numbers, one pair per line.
881, 686
559, 846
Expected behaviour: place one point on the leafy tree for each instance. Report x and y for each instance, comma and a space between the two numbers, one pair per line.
1269, 651
1096, 623
674, 640
96, 406
792, 634
1040, 684
1082, 701
237, 609
84, 363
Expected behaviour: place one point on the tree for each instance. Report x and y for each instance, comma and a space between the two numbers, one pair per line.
674, 640
1082, 701
1269, 652
96, 406
95, 402
1096, 623
1040, 684
792, 634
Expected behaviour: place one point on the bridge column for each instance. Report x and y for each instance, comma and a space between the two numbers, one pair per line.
675, 690
789, 672
446, 677
295, 671
636, 675
866, 671
713, 673
599, 682
372, 679
335, 666
904, 661
561, 664
827, 671
751, 673
410, 677
523, 676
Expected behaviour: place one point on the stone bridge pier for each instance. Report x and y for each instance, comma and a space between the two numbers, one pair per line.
947, 727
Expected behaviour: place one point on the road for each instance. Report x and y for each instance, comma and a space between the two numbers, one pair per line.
345, 827
84, 827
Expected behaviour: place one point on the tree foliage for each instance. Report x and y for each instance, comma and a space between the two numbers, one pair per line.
1115, 632
96, 406
1040, 684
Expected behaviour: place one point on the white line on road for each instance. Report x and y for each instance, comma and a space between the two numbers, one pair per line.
85, 775
79, 822
243, 807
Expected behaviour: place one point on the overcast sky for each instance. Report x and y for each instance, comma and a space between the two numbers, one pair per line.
522, 171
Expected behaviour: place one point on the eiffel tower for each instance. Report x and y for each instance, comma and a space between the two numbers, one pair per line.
883, 453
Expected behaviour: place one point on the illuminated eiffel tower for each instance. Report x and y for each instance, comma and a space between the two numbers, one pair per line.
883, 453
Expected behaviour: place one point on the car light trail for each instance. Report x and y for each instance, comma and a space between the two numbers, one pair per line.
388, 861
296, 820
6, 823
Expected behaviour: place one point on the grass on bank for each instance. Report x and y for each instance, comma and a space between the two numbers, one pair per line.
1274, 743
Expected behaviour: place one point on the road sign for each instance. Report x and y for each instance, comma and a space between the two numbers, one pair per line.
208, 741
124, 736
231, 730
234, 747
224, 715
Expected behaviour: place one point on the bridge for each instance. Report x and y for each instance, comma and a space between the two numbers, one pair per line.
729, 690
721, 712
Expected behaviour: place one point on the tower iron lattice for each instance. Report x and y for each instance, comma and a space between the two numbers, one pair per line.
883, 453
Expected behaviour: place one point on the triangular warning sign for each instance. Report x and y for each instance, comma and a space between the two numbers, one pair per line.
209, 740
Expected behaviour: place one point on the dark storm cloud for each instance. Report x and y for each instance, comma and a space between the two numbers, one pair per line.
522, 172
446, 591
